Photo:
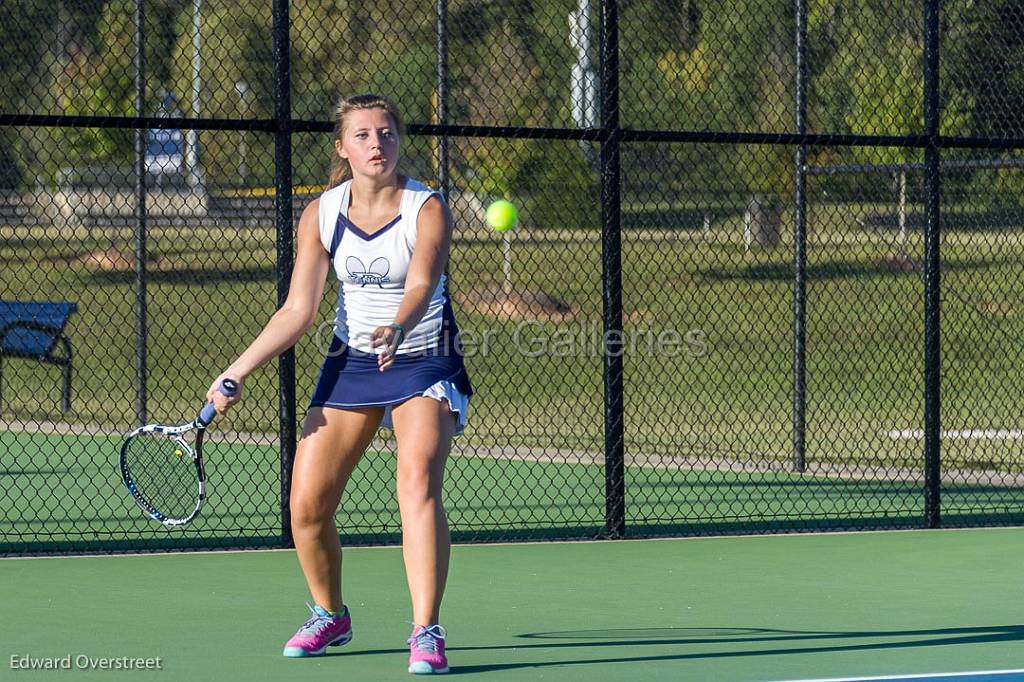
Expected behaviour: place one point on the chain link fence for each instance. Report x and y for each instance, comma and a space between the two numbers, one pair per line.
767, 275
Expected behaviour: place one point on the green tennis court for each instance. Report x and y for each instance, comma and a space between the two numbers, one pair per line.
243, 503
730, 609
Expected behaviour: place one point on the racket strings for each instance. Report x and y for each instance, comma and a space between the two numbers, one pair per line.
164, 474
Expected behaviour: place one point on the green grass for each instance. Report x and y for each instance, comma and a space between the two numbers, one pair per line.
730, 402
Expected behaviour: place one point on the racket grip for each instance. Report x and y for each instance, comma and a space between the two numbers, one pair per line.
206, 415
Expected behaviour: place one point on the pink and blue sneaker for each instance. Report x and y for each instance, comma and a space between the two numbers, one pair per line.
323, 629
426, 650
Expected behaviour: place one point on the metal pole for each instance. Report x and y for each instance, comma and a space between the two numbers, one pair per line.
140, 216
243, 89
443, 177
611, 275
283, 224
903, 211
932, 262
800, 250
507, 265
582, 78
192, 148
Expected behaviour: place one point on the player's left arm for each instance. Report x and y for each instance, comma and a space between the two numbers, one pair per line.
430, 255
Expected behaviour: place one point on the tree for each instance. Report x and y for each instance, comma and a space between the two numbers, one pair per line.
75, 59
22, 36
983, 66
43, 50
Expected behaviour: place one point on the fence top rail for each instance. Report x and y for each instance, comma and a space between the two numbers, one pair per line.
623, 134
951, 164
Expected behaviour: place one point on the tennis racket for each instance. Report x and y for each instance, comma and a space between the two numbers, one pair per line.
163, 472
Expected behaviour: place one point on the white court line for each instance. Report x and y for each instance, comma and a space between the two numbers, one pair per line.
793, 537
966, 434
920, 676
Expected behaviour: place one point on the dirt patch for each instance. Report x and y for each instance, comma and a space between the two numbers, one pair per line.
117, 260
900, 263
997, 308
638, 315
533, 304
521, 303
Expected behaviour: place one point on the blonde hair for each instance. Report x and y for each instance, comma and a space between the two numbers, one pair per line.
340, 168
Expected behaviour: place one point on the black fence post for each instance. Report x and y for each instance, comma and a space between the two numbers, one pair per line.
443, 181
283, 225
141, 330
932, 233
611, 273
800, 249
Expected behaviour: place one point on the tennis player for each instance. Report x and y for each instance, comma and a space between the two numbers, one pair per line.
395, 360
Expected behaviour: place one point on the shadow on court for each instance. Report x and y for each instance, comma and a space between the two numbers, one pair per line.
832, 270
678, 219
189, 275
799, 642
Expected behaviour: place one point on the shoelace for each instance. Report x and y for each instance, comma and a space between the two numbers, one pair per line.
312, 625
426, 639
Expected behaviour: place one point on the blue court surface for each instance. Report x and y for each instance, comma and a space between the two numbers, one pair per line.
980, 676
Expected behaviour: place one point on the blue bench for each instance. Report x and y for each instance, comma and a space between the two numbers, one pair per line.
33, 329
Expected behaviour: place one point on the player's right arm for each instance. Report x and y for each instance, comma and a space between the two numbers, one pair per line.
295, 317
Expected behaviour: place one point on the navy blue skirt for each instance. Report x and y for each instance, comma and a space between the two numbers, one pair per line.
351, 378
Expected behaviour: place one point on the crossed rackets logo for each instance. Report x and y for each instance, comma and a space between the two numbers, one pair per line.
376, 273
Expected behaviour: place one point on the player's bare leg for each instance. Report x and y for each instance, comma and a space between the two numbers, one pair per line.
424, 428
331, 445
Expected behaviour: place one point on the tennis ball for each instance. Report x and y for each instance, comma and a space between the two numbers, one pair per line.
502, 215
179, 453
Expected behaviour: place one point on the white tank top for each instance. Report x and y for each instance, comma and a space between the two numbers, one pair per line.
371, 270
